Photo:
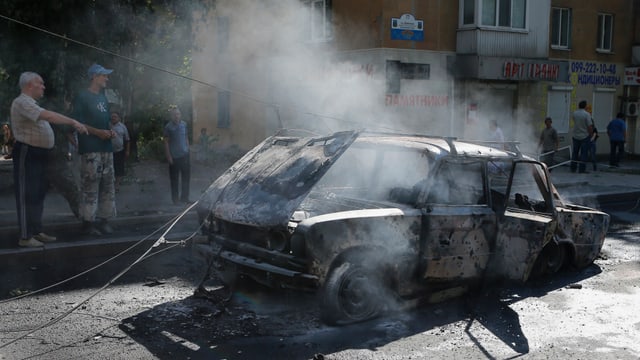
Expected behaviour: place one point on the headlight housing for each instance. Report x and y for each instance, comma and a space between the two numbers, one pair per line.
298, 245
277, 241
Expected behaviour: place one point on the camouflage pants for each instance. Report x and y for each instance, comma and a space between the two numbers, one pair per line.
98, 198
64, 176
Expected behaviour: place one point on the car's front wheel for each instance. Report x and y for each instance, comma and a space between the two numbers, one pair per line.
354, 291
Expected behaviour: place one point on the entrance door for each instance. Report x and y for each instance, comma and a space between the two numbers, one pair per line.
490, 102
602, 110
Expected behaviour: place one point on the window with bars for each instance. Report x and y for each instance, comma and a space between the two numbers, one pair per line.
561, 28
605, 32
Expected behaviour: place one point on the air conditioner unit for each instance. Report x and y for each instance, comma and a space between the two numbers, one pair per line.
631, 108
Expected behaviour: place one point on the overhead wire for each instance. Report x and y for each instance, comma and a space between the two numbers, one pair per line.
174, 73
123, 252
145, 255
161, 240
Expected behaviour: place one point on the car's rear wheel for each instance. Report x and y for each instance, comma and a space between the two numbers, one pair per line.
550, 260
353, 292
555, 258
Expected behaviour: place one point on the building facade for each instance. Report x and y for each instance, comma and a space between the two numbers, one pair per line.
432, 66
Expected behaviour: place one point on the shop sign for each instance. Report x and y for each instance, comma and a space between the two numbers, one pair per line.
520, 70
407, 28
423, 101
592, 73
632, 76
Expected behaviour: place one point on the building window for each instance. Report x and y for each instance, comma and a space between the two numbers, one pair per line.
504, 13
561, 28
397, 71
605, 32
319, 20
468, 12
224, 118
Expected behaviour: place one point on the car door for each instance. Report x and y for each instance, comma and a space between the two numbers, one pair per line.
527, 221
457, 223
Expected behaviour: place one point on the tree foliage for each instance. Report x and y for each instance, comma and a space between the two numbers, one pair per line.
146, 42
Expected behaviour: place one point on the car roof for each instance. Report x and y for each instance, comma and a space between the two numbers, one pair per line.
443, 145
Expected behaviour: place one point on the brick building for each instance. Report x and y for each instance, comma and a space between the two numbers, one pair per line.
431, 66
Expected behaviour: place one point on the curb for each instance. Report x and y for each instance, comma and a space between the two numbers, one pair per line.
74, 226
82, 249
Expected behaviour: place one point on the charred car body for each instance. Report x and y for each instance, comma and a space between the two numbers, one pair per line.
367, 217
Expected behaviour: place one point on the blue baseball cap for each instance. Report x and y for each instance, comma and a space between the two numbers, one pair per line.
96, 69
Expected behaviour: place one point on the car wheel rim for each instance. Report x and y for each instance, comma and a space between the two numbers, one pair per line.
357, 296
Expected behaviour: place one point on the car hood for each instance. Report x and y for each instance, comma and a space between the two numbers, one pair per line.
267, 184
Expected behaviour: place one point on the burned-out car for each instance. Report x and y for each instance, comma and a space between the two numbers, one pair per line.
364, 218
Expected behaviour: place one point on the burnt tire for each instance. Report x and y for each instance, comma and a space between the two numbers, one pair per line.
555, 258
550, 261
353, 293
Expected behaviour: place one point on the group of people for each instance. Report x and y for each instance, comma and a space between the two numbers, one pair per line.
584, 139
102, 141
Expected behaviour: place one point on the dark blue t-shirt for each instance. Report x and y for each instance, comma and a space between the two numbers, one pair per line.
616, 129
93, 110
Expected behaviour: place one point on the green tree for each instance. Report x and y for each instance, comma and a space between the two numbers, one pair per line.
146, 42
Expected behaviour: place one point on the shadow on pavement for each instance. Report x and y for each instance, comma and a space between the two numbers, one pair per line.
258, 324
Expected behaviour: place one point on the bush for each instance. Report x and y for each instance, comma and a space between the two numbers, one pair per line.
151, 149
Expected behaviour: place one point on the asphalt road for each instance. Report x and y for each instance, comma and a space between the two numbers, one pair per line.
152, 312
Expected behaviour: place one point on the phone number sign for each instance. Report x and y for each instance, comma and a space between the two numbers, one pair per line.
592, 73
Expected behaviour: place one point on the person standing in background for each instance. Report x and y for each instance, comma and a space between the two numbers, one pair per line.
91, 108
581, 137
134, 133
496, 134
120, 143
592, 148
548, 142
7, 141
63, 173
176, 146
203, 148
617, 131
34, 139
496, 137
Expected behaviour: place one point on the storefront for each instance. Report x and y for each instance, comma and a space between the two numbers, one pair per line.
509, 90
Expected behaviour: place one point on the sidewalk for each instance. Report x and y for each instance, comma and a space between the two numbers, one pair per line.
606, 182
144, 197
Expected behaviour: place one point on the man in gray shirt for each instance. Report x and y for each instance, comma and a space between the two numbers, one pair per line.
582, 131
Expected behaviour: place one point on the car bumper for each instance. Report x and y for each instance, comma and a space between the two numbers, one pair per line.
265, 273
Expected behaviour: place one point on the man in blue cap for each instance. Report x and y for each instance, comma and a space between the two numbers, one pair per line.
91, 108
